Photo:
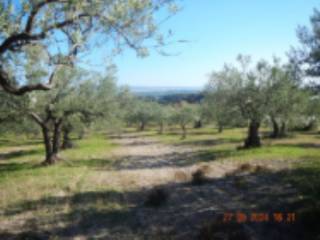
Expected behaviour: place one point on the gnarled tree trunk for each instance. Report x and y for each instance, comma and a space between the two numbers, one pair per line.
253, 139
50, 158
51, 145
51, 137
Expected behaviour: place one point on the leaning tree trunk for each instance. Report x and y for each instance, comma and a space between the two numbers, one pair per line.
253, 139
276, 129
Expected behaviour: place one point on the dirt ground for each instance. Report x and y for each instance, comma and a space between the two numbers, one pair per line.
143, 163
191, 211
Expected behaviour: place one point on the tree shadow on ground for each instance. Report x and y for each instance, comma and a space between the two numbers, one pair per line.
192, 133
209, 142
140, 143
10, 143
122, 215
98, 163
19, 153
173, 159
131, 135
16, 167
301, 145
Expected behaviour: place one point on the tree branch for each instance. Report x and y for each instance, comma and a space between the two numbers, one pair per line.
10, 88
24, 38
37, 118
35, 11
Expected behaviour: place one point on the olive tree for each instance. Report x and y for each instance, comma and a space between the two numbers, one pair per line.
183, 115
73, 95
60, 30
218, 100
243, 87
142, 113
162, 116
286, 98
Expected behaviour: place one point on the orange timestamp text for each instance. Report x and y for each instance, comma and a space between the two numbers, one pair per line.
241, 217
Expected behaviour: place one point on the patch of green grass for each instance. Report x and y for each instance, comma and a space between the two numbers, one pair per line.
23, 178
201, 136
225, 145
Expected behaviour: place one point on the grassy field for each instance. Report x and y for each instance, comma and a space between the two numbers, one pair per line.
23, 178
79, 189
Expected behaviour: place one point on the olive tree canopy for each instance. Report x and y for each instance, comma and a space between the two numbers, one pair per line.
54, 32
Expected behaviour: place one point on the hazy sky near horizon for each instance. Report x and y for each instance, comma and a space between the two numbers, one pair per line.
217, 31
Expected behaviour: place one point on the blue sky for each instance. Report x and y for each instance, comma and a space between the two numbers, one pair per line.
217, 31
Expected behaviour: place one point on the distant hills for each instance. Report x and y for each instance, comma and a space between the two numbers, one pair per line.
169, 94
162, 91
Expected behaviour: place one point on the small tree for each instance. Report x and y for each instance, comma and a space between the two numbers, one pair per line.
53, 111
162, 116
184, 115
218, 101
244, 89
142, 113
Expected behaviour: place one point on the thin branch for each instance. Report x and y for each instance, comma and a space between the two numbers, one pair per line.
36, 10
37, 118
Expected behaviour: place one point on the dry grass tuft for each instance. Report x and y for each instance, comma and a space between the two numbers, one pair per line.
261, 169
205, 168
180, 176
245, 167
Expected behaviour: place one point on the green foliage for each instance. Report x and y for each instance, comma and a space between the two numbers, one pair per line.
287, 100
184, 114
308, 55
142, 113
46, 33
12, 113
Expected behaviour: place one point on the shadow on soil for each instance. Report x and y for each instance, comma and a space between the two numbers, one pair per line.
122, 215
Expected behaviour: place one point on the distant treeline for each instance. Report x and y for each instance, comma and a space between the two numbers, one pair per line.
176, 98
